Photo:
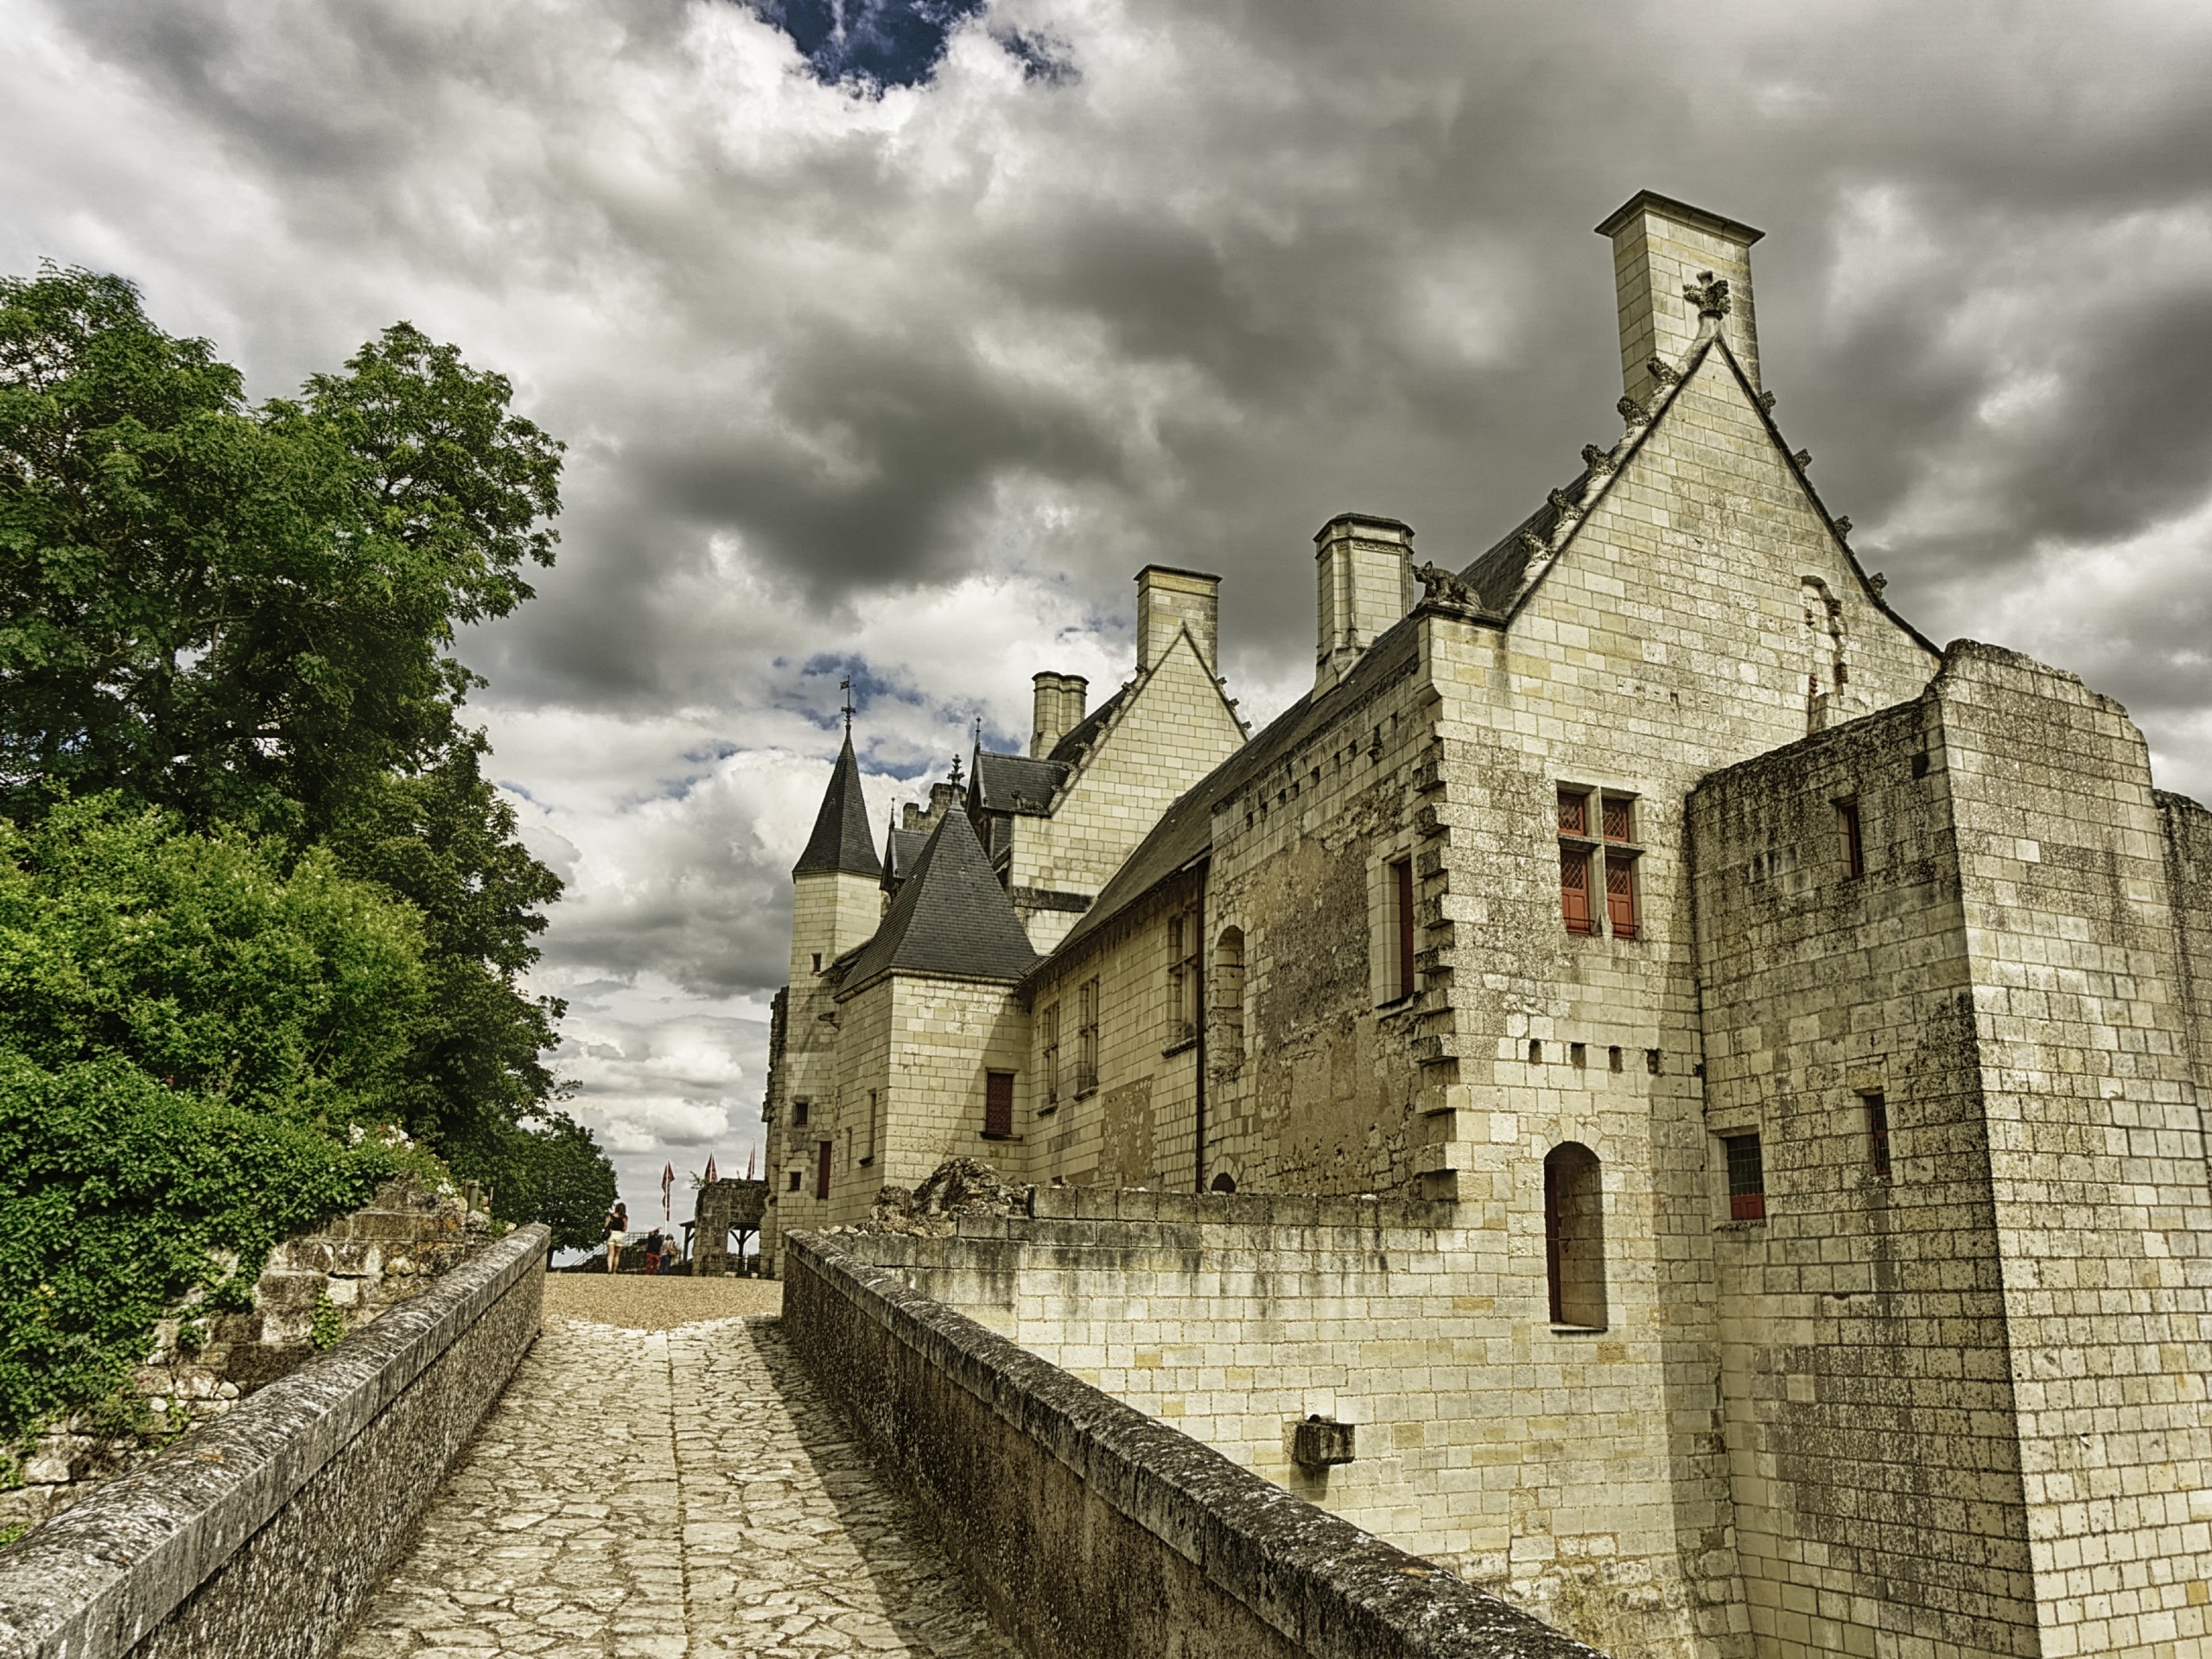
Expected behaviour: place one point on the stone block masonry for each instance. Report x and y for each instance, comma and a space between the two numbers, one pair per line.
264, 1533
1234, 1317
1095, 1532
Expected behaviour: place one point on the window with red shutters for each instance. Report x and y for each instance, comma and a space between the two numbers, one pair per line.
1574, 889
1574, 812
1747, 1178
1620, 896
1620, 818
998, 1104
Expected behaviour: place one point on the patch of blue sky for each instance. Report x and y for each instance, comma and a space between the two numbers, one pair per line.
869, 45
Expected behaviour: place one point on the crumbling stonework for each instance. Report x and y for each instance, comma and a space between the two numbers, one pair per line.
203, 1362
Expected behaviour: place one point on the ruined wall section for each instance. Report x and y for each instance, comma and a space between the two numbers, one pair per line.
1867, 1395
2097, 1157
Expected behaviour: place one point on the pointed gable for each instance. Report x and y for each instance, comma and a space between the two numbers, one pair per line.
841, 841
951, 917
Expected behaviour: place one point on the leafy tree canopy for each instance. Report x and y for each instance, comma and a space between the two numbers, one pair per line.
243, 611
243, 615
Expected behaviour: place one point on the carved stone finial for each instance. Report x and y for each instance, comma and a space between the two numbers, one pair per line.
1709, 294
1444, 587
1803, 458
1597, 460
1565, 505
1633, 413
1662, 371
1843, 525
1766, 401
1878, 582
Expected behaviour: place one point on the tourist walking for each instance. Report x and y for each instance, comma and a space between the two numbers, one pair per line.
652, 1251
618, 1229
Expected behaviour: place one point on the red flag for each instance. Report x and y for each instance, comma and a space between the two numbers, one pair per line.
667, 1180
710, 1166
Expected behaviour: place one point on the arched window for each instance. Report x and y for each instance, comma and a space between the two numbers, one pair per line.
1574, 1235
1226, 1039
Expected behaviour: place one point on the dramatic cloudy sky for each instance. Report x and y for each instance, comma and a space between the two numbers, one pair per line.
889, 338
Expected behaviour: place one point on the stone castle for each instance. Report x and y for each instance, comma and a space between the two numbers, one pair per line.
1767, 1047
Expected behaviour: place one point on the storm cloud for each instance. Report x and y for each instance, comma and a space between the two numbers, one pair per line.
891, 336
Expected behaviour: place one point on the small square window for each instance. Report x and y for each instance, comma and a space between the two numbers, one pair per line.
793, 1182
1747, 1178
1574, 812
799, 1109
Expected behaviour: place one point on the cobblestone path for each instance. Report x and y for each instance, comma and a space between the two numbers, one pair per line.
665, 1495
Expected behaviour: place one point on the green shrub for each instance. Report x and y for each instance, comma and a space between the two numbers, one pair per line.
119, 1196
327, 1329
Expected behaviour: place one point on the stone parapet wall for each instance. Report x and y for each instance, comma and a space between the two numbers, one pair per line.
1092, 1531
265, 1533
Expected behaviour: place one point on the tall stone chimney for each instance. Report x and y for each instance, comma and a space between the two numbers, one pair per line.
1366, 583
1661, 246
1168, 599
1058, 710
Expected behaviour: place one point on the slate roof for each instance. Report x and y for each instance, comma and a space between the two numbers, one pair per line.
951, 917
1015, 783
841, 839
902, 848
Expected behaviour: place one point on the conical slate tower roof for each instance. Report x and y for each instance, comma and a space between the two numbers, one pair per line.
951, 917
841, 841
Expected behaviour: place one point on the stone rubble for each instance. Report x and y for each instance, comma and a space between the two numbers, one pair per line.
669, 1494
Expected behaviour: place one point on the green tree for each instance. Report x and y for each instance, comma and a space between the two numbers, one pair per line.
246, 614
205, 961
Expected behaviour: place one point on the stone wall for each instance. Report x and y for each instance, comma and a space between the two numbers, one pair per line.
1234, 1317
267, 1532
1964, 1382
202, 1363
1094, 1532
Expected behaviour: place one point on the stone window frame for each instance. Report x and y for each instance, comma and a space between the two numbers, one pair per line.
1086, 1037
1851, 831
1048, 1028
1740, 1209
1185, 978
1387, 896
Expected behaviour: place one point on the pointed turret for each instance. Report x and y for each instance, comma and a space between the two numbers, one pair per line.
842, 840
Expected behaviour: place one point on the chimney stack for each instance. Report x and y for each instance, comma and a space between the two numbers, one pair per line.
1366, 582
1058, 710
1661, 246
1168, 599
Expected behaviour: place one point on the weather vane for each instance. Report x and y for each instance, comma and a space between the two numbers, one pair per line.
846, 686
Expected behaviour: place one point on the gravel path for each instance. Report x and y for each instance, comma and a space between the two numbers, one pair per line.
667, 1492
637, 1303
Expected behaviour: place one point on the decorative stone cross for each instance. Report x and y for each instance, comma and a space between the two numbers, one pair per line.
1709, 294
